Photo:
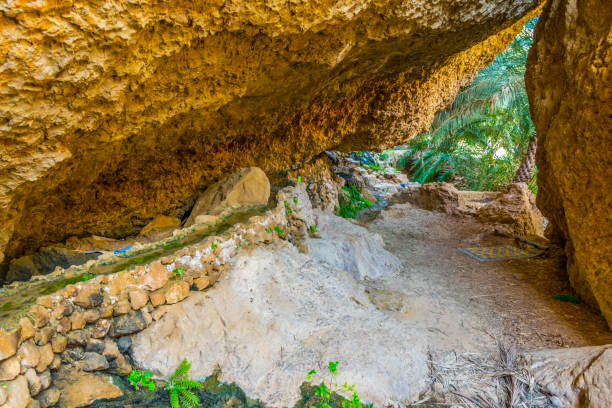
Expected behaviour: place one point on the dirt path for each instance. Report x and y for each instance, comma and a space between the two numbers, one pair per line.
466, 305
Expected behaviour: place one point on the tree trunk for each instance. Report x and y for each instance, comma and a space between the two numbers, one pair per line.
523, 174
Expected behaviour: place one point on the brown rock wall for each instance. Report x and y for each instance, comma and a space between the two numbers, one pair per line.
569, 81
115, 112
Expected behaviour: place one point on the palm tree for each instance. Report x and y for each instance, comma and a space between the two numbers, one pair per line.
478, 140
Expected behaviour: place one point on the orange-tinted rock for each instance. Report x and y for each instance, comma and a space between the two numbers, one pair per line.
242, 188
26, 329
77, 321
63, 309
63, 325
119, 282
202, 283
157, 298
121, 307
40, 315
59, 343
569, 82
91, 315
46, 357
89, 295
138, 298
9, 368
29, 355
43, 336
8, 343
159, 228
17, 392
156, 277
128, 124
176, 291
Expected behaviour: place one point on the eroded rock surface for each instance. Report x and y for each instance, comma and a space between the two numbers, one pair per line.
576, 377
116, 112
276, 315
569, 81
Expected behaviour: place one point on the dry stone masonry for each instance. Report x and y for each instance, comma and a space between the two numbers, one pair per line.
82, 330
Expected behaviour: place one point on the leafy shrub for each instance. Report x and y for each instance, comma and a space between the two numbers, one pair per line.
138, 378
326, 396
352, 202
178, 271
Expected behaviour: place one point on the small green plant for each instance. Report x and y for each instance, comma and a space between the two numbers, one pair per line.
313, 228
299, 179
138, 378
324, 392
566, 298
279, 230
295, 200
287, 208
178, 271
214, 245
351, 203
180, 386
268, 230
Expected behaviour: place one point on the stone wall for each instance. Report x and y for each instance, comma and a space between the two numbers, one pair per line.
116, 112
84, 328
569, 81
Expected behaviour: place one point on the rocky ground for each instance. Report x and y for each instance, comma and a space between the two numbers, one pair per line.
410, 319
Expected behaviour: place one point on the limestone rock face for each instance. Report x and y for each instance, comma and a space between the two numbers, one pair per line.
115, 112
569, 81
265, 326
575, 377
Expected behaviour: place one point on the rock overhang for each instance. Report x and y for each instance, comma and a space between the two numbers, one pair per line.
116, 113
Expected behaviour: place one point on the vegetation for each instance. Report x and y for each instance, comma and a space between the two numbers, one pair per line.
178, 271
479, 141
326, 397
138, 378
214, 245
351, 203
180, 387
313, 228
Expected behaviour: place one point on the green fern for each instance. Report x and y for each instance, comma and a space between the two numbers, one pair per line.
180, 386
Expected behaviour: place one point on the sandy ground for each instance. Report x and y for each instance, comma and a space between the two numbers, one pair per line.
466, 305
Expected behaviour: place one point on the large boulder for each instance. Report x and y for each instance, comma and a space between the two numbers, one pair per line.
277, 314
351, 248
575, 377
243, 188
569, 82
513, 212
115, 113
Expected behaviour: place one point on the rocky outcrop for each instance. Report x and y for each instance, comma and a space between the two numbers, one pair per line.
277, 314
115, 113
575, 377
569, 81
